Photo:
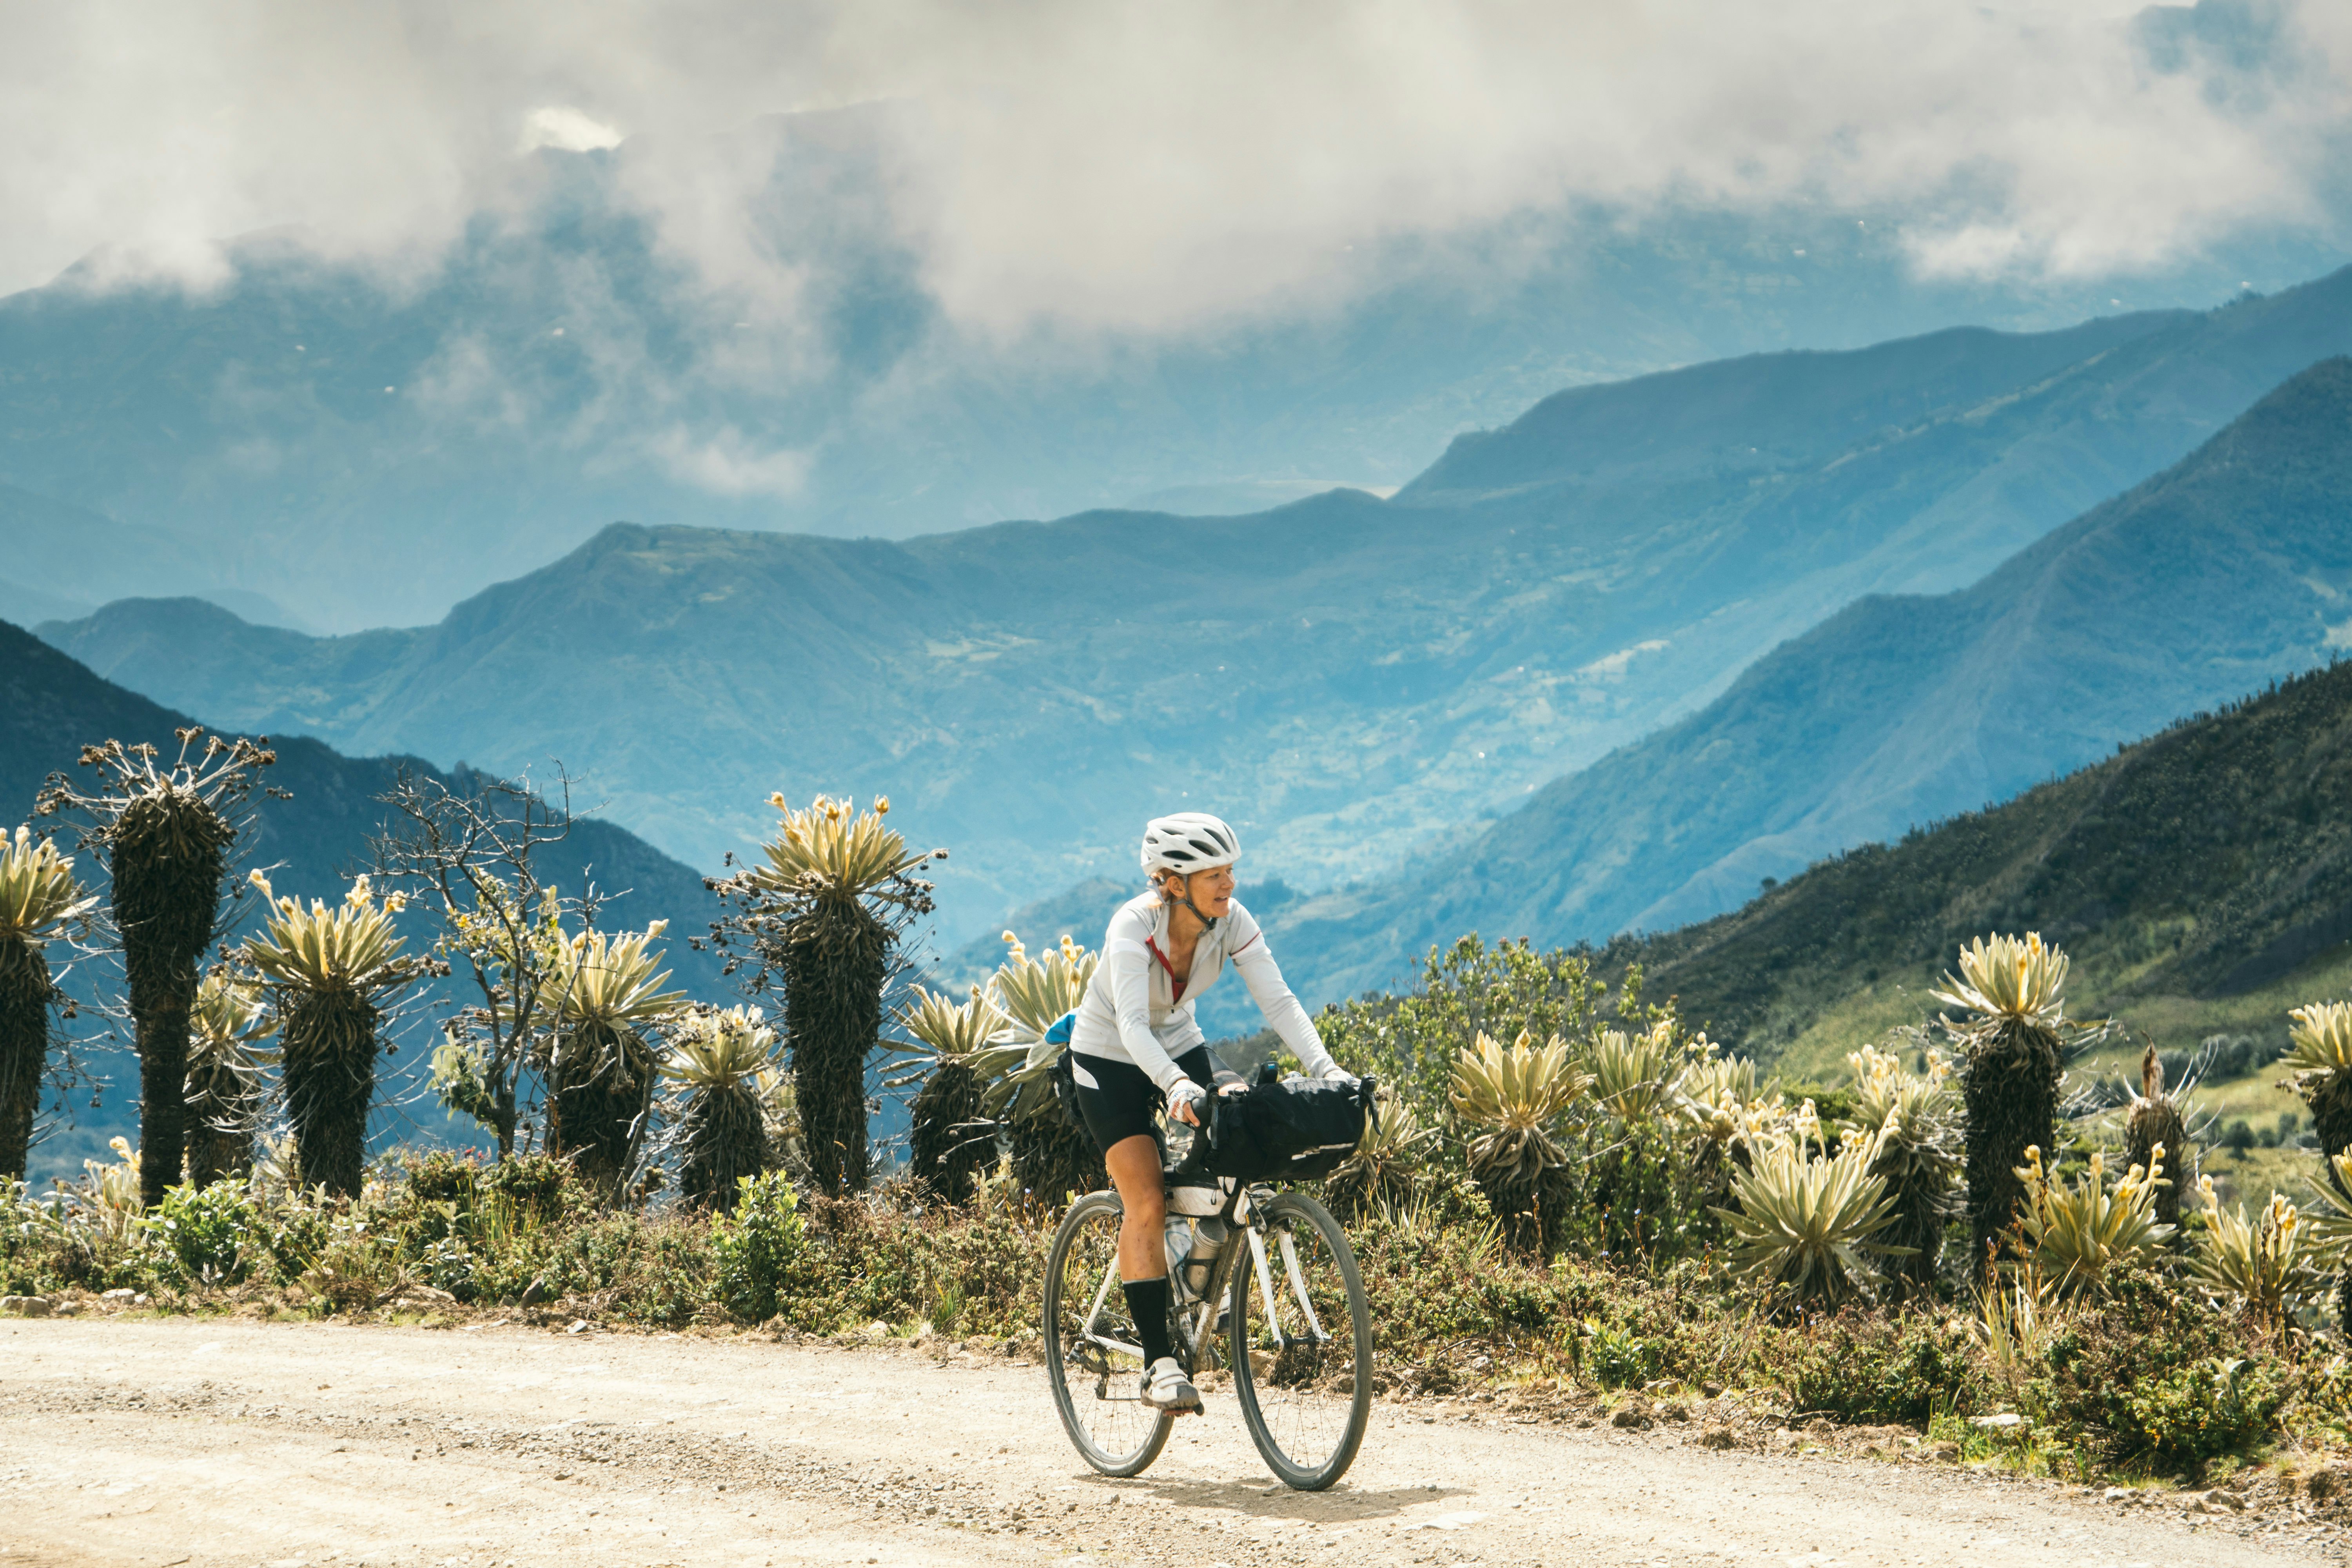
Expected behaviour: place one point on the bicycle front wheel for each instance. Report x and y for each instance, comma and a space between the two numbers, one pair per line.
1301, 1334
1093, 1358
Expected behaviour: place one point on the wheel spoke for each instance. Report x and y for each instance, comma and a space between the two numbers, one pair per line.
1093, 1357
1301, 1344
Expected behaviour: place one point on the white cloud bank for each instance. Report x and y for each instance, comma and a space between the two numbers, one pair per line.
1146, 168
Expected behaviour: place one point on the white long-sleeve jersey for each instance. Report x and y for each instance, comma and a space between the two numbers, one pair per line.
1134, 1012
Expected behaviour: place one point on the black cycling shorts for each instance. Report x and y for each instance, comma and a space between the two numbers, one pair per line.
1120, 1102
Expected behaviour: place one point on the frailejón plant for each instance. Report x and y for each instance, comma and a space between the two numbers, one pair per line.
40, 900
718, 1057
2013, 1059
952, 1139
330, 971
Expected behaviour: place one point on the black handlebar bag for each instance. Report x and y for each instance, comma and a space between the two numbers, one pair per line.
1294, 1130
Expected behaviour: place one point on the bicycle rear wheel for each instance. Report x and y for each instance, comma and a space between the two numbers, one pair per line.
1092, 1356
1301, 1335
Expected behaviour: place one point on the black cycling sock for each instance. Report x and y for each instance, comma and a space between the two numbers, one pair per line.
1146, 1301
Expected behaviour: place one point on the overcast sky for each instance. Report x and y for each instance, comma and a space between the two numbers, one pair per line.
1151, 168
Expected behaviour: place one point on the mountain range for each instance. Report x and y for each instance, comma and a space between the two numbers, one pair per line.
88, 559
312, 843
2200, 876
366, 443
2230, 569
1354, 681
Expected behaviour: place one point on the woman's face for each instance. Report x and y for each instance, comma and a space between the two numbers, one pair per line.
1211, 891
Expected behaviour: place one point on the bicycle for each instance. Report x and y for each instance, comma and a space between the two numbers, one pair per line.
1284, 1289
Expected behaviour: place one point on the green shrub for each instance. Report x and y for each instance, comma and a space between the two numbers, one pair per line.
624, 1259
1616, 1357
757, 1246
1411, 1042
1875, 1367
661, 1278
441, 1176
356, 1267
539, 1185
2199, 1412
448, 1265
294, 1235
202, 1235
1430, 1283
37, 1248
870, 1259
1640, 1198
2152, 1372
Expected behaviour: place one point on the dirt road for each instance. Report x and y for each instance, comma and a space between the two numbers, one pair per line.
156, 1442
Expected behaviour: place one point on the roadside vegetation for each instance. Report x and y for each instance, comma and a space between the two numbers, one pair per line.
1571, 1192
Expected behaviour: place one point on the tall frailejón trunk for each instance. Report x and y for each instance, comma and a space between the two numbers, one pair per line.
951, 1140
599, 1098
2010, 1086
330, 1047
724, 1136
24, 1049
1053, 1160
836, 962
223, 1108
168, 854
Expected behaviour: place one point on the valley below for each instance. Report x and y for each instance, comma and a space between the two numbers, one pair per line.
196, 1442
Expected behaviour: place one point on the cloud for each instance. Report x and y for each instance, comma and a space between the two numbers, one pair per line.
566, 130
731, 464
1080, 166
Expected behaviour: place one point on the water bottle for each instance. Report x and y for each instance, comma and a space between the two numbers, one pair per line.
1180, 1248
1201, 1263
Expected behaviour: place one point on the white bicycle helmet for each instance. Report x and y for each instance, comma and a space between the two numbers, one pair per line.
1189, 841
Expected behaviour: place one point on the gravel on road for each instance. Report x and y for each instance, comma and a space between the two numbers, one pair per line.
163, 1441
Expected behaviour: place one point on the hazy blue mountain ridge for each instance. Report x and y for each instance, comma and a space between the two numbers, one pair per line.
51, 706
368, 444
2231, 569
1765, 412
1349, 680
2205, 862
44, 542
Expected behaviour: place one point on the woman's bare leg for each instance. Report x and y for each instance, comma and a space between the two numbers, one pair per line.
1135, 1170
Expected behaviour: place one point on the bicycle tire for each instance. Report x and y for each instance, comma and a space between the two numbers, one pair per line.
1103, 1440
1314, 1388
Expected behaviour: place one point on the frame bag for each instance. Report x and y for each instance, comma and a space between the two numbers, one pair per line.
1293, 1130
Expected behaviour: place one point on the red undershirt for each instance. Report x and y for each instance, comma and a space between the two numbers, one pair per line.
1175, 983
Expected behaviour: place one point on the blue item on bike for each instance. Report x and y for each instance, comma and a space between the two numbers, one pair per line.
1293, 1130
1062, 1072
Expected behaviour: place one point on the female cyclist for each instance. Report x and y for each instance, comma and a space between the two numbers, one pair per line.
1135, 1048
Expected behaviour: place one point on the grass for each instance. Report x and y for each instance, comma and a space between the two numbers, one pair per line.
1864, 1016
2193, 878
1870, 1012
1457, 1313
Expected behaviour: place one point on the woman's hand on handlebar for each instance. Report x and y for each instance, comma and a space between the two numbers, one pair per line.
1183, 1099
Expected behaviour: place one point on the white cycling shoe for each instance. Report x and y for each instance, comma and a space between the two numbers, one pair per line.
1165, 1387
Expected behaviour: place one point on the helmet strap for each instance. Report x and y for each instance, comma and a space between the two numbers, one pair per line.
1185, 898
